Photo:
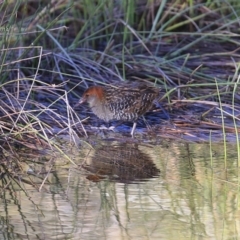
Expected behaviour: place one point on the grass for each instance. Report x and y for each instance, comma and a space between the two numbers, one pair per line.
50, 53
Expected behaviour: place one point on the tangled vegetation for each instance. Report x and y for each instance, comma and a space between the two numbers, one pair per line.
51, 52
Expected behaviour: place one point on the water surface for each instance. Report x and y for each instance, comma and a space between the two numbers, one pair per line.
126, 191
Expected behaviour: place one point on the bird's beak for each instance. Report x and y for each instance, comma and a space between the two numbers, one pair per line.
82, 100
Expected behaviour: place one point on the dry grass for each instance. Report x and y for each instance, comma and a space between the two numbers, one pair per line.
52, 52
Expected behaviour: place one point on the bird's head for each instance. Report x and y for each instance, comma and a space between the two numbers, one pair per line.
93, 96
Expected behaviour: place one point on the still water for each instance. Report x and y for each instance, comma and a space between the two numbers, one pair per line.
126, 191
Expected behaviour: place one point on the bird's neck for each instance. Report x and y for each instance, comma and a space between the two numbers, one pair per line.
102, 111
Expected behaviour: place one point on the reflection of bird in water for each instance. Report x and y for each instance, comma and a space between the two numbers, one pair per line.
124, 102
122, 163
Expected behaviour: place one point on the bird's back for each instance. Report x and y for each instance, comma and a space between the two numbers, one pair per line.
129, 101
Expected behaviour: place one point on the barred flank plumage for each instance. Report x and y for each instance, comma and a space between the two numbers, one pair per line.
125, 102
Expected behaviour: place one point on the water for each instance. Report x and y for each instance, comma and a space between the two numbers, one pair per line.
126, 191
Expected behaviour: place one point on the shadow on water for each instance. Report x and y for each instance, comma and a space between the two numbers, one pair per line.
124, 163
176, 189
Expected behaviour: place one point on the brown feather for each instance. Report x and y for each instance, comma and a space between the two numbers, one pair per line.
125, 101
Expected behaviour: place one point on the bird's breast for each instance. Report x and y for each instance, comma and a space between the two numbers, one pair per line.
103, 112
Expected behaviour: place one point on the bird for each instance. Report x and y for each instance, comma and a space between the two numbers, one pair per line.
121, 101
